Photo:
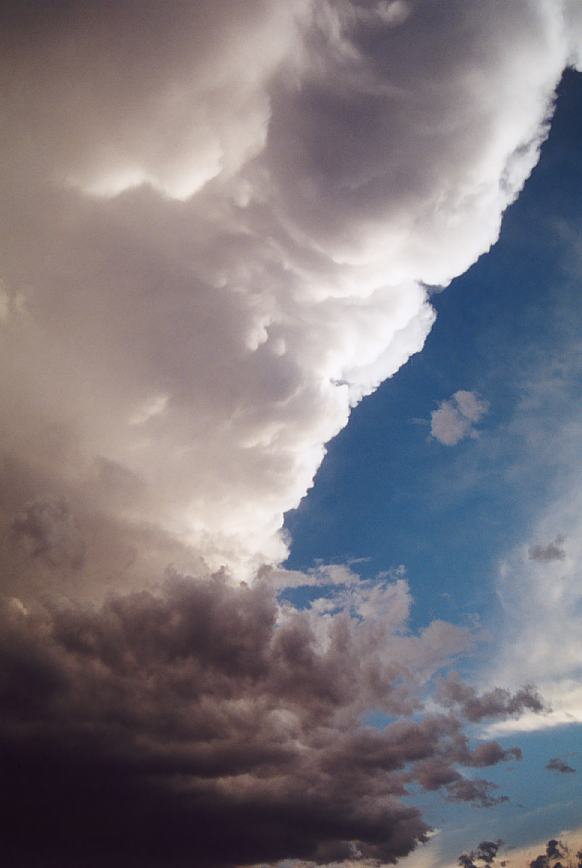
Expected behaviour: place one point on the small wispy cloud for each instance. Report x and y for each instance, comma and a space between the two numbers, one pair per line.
553, 551
556, 764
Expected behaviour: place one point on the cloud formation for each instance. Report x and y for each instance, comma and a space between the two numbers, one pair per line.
556, 764
219, 226
454, 693
218, 229
209, 719
47, 530
455, 419
553, 551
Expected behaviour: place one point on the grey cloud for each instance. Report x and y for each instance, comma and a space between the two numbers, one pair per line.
62, 540
479, 791
490, 753
207, 719
433, 774
553, 551
556, 764
46, 529
496, 703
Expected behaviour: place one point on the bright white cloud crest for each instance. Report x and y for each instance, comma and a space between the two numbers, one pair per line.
222, 230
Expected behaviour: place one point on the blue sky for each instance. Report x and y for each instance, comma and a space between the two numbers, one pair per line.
389, 494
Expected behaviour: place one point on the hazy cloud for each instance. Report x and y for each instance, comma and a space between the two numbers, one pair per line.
553, 551
47, 530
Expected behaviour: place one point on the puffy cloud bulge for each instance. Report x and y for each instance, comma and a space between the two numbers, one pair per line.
220, 219
207, 724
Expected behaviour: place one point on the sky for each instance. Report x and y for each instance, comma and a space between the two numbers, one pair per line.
290, 376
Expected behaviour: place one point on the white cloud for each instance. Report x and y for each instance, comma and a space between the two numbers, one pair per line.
239, 210
455, 419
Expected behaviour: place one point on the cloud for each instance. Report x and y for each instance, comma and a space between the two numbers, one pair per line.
553, 551
249, 207
47, 530
559, 765
455, 419
486, 853
540, 599
434, 775
209, 719
499, 703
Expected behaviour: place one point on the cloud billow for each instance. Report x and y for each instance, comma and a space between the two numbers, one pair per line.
249, 206
208, 722
498, 702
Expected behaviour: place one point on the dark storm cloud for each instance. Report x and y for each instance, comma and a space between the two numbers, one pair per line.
489, 753
499, 703
553, 551
556, 764
207, 725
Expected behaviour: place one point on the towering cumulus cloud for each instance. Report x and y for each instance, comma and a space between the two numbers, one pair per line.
220, 223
